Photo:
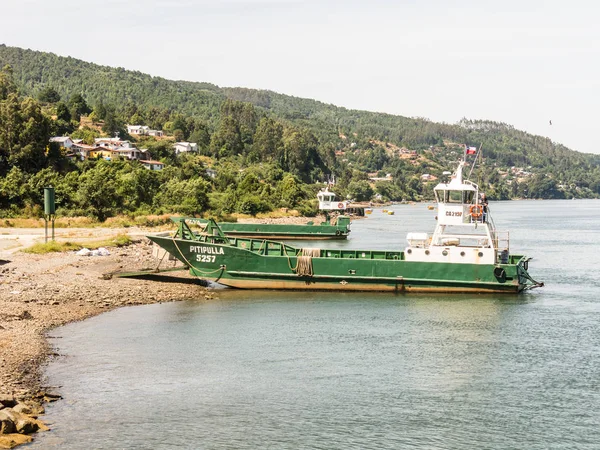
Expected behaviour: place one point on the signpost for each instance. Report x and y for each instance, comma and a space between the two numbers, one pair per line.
49, 209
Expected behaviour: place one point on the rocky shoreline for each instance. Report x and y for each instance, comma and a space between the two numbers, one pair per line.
41, 292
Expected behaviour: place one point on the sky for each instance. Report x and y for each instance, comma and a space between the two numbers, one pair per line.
532, 64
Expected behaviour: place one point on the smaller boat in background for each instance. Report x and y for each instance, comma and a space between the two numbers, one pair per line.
333, 227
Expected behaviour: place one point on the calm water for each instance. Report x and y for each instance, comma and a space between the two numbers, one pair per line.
279, 370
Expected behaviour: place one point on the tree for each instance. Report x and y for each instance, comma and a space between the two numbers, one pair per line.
137, 186
201, 136
227, 141
300, 154
49, 95
97, 192
252, 204
78, 107
12, 188
179, 126
183, 196
178, 135
87, 134
100, 111
268, 143
290, 191
7, 85
388, 191
62, 112
360, 191
113, 125
161, 150
62, 125
24, 134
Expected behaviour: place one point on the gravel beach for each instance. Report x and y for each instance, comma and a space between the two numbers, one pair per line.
41, 292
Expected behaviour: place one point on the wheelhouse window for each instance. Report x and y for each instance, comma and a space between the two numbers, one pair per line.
468, 196
451, 196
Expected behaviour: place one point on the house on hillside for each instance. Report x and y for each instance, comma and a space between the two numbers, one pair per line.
130, 153
142, 130
182, 147
104, 153
374, 177
153, 165
82, 151
63, 141
137, 130
112, 143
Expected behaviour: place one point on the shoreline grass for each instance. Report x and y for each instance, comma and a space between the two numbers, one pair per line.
120, 240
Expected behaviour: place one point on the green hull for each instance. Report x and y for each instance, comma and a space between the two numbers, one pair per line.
279, 231
261, 264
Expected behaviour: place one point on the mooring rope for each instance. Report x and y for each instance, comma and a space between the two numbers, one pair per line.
535, 283
304, 265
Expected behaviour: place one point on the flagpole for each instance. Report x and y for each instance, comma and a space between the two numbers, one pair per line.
475, 159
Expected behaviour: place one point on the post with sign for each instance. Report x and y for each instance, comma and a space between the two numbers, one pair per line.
49, 209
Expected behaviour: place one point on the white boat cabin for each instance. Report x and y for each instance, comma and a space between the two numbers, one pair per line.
327, 201
465, 232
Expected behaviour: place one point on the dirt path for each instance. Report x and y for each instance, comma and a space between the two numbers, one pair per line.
14, 239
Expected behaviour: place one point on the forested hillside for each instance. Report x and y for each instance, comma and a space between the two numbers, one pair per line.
268, 146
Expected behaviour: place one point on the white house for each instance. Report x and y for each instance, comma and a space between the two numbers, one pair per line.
142, 130
153, 165
63, 141
112, 143
137, 129
181, 147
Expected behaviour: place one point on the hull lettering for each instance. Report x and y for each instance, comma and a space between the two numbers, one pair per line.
206, 250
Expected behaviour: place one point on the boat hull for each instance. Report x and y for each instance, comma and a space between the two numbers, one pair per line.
255, 264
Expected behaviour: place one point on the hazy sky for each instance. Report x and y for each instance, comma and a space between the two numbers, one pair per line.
519, 62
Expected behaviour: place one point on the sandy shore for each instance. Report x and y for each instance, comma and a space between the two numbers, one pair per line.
41, 292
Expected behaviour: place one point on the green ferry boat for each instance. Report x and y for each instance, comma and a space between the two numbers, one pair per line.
465, 253
333, 227
329, 229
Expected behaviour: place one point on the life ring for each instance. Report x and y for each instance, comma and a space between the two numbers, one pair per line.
340, 205
476, 211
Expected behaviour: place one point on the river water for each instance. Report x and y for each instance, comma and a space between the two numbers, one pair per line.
296, 370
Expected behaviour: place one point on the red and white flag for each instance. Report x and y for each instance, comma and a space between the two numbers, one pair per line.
471, 150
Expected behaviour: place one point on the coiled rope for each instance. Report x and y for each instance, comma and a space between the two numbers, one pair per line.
304, 265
